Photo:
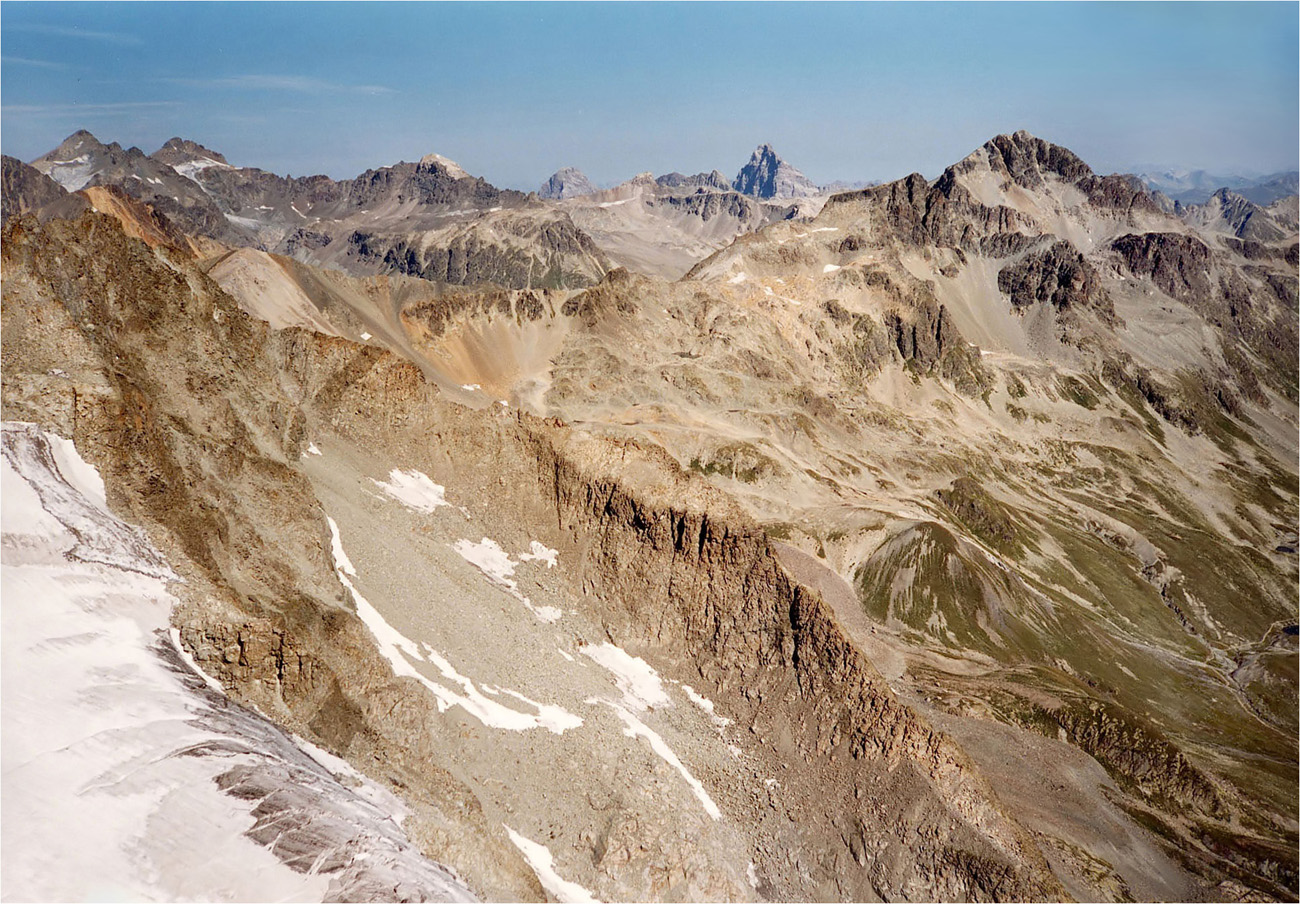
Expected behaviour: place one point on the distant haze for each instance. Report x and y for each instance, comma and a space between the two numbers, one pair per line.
514, 92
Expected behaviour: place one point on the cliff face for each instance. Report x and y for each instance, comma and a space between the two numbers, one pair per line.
880, 802
712, 589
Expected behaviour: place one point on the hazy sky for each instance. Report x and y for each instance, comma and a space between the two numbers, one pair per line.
515, 91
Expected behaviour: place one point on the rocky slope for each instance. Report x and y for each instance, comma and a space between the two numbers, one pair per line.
263, 611
967, 507
1227, 211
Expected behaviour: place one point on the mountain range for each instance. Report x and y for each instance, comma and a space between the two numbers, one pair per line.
1196, 186
691, 539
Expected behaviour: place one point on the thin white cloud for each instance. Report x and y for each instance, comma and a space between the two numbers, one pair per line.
299, 83
60, 31
83, 109
39, 64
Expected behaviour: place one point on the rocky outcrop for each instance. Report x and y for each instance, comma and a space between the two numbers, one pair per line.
913, 211
682, 578
706, 205
1183, 267
429, 182
616, 294
1178, 264
1026, 161
1060, 276
181, 150
544, 251
1229, 212
927, 338
431, 318
767, 176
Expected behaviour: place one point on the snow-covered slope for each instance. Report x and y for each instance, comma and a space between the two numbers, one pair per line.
128, 774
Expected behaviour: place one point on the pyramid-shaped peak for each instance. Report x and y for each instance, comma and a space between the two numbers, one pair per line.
79, 142
766, 175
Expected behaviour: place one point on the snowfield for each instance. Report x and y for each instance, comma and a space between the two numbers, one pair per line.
127, 774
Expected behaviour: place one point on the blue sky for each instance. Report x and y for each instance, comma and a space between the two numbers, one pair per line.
515, 91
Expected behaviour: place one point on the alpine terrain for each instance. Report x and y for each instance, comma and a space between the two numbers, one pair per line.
696, 538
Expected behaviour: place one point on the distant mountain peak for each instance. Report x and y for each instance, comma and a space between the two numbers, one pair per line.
715, 181
1027, 158
766, 175
566, 182
180, 150
77, 143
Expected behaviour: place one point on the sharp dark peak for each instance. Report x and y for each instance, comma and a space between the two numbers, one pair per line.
766, 175
1026, 158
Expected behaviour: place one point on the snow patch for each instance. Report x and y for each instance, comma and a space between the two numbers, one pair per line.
312, 449
540, 859
540, 553
191, 168
497, 566
705, 704
737, 279
365, 337
638, 729
414, 490
830, 268
72, 174
636, 678
470, 387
